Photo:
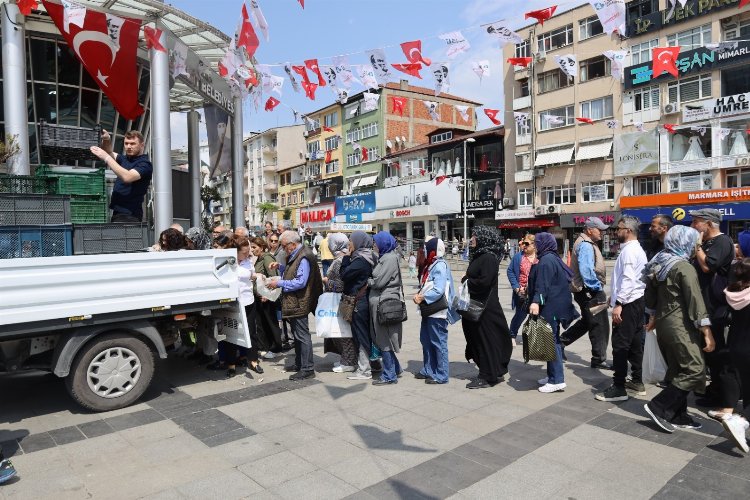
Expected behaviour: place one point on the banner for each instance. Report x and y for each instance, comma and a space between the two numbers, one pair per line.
611, 14
636, 153
219, 131
443, 198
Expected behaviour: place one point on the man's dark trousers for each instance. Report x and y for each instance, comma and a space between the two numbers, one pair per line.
626, 342
597, 327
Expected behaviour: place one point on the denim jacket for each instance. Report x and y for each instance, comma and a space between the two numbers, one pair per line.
439, 275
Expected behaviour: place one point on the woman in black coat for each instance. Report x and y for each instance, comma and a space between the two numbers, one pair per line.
488, 340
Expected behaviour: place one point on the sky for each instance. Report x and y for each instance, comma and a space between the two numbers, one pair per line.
327, 28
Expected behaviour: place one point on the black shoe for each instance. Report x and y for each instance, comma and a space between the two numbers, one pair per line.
685, 422
400, 374
257, 368
602, 365
431, 381
478, 383
290, 369
380, 381
419, 376
613, 393
216, 365
565, 341
302, 375
286, 346
231, 372
661, 422
662, 384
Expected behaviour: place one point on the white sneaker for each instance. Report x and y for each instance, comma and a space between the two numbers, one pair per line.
736, 426
718, 415
269, 355
547, 388
359, 376
337, 363
343, 369
543, 381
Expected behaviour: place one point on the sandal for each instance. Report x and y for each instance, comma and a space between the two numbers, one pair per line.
256, 368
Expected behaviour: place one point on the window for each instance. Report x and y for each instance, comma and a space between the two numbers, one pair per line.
525, 197
646, 98
641, 52
442, 137
735, 80
313, 169
523, 49
353, 159
597, 108
332, 190
332, 143
553, 80
555, 39
331, 119
523, 127
689, 181
351, 110
640, 8
594, 68
738, 178
691, 39
524, 87
283, 200
690, 89
357, 134
523, 162
413, 167
556, 195
647, 185
556, 118
282, 180
598, 191
301, 197
737, 31
293, 200
591, 26
333, 167
311, 125
313, 147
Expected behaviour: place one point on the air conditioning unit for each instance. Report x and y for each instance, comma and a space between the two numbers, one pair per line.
508, 202
671, 108
547, 210
539, 172
540, 56
305, 133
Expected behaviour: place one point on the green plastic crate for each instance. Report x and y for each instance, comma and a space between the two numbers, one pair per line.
85, 211
78, 184
26, 184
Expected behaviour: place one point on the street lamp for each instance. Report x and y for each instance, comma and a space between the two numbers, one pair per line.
466, 218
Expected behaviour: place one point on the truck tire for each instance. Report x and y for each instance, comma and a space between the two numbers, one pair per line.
111, 371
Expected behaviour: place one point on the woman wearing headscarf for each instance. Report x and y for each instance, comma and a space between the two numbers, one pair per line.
385, 283
550, 298
267, 326
488, 340
676, 308
518, 276
355, 271
338, 245
436, 281
197, 239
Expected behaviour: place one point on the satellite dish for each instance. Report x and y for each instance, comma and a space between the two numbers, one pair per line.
403, 139
388, 143
397, 139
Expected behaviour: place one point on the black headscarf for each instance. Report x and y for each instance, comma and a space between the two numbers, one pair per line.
489, 240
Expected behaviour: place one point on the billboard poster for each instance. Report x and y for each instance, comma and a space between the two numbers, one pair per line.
355, 204
637, 153
443, 198
219, 131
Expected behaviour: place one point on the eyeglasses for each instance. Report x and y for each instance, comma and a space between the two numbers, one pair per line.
274, 241
620, 228
525, 243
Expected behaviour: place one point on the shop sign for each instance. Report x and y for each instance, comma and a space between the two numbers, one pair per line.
636, 153
577, 220
528, 224
729, 211
317, 215
480, 205
390, 182
692, 9
360, 203
400, 213
717, 108
443, 198
521, 213
691, 61
351, 227
726, 195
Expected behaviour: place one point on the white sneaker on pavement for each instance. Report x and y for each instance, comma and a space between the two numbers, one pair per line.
359, 376
548, 388
343, 369
269, 355
736, 426
543, 381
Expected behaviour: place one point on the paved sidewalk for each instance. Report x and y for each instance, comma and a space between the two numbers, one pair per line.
197, 435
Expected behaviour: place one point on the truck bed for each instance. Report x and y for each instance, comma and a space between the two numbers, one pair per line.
40, 293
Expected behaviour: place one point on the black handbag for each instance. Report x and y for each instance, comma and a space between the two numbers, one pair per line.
474, 311
392, 311
426, 309
348, 303
538, 340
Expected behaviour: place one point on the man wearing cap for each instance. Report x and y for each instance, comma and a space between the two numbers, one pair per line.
713, 260
589, 278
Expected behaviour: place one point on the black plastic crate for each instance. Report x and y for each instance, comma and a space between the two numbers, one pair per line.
35, 241
91, 239
34, 209
26, 184
66, 143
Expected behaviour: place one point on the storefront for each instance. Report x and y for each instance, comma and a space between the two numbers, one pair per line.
318, 217
517, 223
355, 207
572, 226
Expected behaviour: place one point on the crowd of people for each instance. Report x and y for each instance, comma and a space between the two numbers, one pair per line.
686, 287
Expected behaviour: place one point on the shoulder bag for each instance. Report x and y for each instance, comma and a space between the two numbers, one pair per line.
348, 303
441, 304
392, 311
538, 340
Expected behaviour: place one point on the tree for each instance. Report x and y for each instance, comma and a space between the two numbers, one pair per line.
9, 148
287, 214
208, 195
264, 208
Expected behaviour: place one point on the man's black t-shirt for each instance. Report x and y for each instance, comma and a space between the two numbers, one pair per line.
128, 198
719, 255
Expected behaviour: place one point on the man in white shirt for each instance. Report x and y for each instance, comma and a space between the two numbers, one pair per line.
627, 315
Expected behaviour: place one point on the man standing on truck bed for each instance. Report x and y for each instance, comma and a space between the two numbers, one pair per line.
133, 171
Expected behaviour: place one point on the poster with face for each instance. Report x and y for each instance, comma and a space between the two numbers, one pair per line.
568, 64
380, 66
440, 73
219, 139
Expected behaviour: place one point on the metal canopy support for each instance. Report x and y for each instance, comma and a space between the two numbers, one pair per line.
194, 167
14, 87
238, 167
161, 140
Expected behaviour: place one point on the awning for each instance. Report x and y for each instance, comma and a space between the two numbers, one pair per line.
521, 224
366, 180
594, 150
555, 155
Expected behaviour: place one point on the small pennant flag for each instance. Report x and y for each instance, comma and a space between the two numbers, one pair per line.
584, 120
492, 115
432, 109
553, 120
327, 129
456, 42
463, 111
312, 65
439, 179
670, 127
271, 103
310, 89
301, 71
260, 19
612, 123
26, 6
665, 59
302, 3
541, 15
292, 80
152, 36
411, 69
639, 126
724, 133
398, 104
371, 101
520, 61
365, 155
521, 118
413, 53
743, 3
328, 156
481, 68
503, 32
568, 64
442, 82
700, 130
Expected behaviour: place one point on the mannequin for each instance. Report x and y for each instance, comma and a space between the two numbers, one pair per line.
694, 151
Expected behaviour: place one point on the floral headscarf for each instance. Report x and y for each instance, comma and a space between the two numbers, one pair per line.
679, 244
489, 240
199, 238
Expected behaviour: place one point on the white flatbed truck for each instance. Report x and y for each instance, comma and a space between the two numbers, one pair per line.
99, 321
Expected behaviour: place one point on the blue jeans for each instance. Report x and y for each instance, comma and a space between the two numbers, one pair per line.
518, 316
391, 367
555, 371
433, 336
303, 348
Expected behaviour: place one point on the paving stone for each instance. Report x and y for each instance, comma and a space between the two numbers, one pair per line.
631, 428
224, 484
409, 484
673, 492
228, 437
688, 441
135, 419
11, 448
185, 407
37, 442
215, 400
317, 485
66, 435
276, 469
482, 457
169, 399
95, 428
693, 478
454, 471
608, 420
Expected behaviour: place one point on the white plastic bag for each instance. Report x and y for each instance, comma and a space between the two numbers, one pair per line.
328, 325
654, 367
264, 291
463, 299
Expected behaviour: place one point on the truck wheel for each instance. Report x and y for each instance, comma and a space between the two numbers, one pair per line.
112, 371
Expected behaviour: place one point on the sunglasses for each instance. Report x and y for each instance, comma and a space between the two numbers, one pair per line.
274, 241
525, 243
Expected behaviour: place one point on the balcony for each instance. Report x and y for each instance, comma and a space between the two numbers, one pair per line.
270, 186
521, 103
522, 140
524, 176
269, 150
269, 167
713, 163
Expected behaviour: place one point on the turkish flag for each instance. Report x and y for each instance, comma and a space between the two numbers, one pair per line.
413, 52
541, 15
743, 3
665, 59
302, 3
585, 120
492, 115
152, 36
312, 65
409, 68
365, 155
328, 156
107, 54
670, 127
271, 103
327, 129
439, 179
310, 89
396, 165
520, 61
247, 37
301, 71
26, 6
398, 105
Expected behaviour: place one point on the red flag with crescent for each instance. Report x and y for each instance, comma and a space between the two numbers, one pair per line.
520, 61
413, 52
398, 105
743, 3
583, 119
247, 37
665, 59
310, 89
26, 6
271, 103
365, 154
541, 15
411, 69
152, 36
301, 71
106, 45
328, 156
302, 3
671, 128
312, 65
492, 115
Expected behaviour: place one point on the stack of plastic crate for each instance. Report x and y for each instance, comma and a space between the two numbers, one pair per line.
87, 189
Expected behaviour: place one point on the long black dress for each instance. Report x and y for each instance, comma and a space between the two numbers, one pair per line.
488, 341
